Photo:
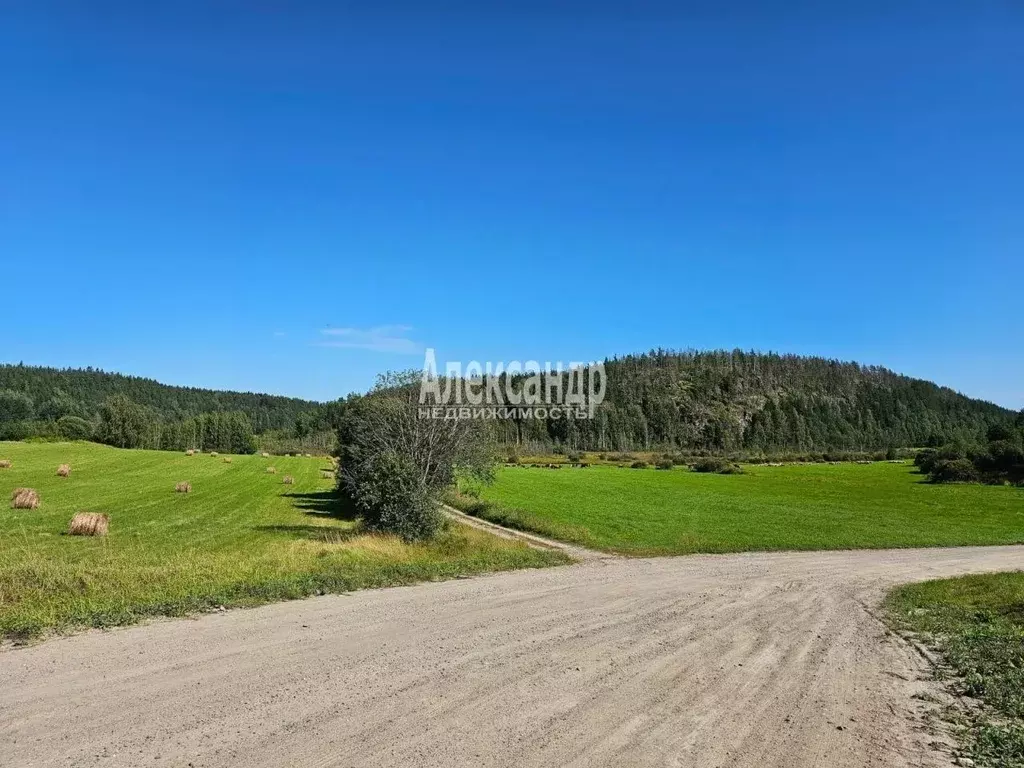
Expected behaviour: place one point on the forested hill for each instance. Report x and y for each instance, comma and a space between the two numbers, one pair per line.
56, 392
754, 402
715, 401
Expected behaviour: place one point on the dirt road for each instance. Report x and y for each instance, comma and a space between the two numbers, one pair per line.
737, 660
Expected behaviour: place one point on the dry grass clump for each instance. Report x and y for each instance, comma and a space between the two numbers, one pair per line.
25, 498
288, 480
183, 487
227, 459
5, 463
64, 470
326, 474
89, 524
271, 470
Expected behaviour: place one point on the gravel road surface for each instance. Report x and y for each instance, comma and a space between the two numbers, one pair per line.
731, 660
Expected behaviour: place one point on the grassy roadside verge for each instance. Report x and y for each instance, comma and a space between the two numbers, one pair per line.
976, 623
241, 537
519, 519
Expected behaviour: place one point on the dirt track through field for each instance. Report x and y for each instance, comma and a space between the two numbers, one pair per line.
734, 660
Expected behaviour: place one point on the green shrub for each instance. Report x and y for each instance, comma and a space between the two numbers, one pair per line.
717, 465
391, 498
395, 465
1002, 456
638, 465
574, 457
951, 453
953, 471
74, 428
664, 463
710, 464
925, 460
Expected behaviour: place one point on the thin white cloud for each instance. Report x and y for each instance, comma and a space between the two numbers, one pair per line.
279, 334
383, 338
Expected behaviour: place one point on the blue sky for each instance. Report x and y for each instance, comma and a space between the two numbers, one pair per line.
293, 197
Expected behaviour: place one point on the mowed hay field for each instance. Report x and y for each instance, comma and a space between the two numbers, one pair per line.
240, 537
802, 506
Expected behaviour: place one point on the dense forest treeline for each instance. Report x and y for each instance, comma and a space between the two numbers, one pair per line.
56, 392
723, 401
134, 412
719, 402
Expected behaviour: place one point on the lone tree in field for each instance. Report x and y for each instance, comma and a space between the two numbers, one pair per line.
394, 464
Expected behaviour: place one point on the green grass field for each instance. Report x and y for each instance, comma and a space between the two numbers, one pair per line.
977, 624
241, 537
808, 506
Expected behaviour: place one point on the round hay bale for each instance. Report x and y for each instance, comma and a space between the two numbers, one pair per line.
213, 453
89, 524
190, 452
265, 455
288, 480
5, 463
271, 470
25, 498
183, 487
64, 470
227, 459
